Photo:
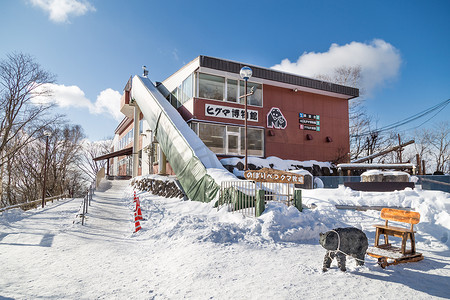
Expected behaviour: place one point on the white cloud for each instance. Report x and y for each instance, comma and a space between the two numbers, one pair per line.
60, 10
379, 62
107, 102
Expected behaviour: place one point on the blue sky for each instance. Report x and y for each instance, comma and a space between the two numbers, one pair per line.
94, 46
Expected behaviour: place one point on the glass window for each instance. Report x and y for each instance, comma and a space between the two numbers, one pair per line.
187, 89
232, 90
213, 136
211, 87
232, 143
194, 127
174, 98
230, 140
256, 98
255, 141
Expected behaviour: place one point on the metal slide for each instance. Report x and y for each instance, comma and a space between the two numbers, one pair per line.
186, 153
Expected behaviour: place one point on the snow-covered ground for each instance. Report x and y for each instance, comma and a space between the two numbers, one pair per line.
189, 250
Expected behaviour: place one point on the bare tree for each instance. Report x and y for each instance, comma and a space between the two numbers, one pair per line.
63, 174
363, 138
439, 141
92, 150
65, 153
21, 120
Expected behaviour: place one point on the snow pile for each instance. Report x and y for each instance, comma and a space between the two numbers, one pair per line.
280, 223
384, 173
236, 165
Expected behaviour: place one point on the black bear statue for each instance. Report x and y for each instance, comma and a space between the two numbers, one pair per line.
341, 242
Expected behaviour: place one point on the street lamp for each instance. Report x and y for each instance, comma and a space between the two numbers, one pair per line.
245, 73
47, 134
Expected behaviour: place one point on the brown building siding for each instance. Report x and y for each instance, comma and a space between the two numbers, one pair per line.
292, 142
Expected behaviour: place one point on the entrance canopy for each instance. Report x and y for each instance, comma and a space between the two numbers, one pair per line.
125, 151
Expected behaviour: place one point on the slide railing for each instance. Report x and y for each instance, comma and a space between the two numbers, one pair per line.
187, 154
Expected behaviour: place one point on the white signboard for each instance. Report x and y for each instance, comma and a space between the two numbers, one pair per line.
219, 111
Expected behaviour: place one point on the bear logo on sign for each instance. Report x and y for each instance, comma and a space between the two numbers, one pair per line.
275, 119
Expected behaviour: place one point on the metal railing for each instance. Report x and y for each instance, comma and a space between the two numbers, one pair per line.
427, 182
34, 203
86, 202
243, 195
239, 195
279, 192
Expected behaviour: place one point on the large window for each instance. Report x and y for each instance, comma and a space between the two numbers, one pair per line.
182, 93
213, 136
230, 140
232, 90
254, 141
187, 89
256, 98
126, 139
211, 87
218, 88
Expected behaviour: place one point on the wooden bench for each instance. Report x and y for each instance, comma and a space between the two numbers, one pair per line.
403, 216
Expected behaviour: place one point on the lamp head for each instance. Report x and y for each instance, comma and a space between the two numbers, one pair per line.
144, 68
47, 133
246, 73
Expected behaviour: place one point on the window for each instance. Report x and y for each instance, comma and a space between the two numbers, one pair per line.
213, 136
230, 140
211, 87
232, 90
218, 88
182, 93
254, 141
194, 127
256, 98
187, 90
126, 139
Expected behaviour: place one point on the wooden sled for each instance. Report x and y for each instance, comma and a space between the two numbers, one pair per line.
387, 254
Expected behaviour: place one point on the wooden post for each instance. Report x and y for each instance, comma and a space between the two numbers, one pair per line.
298, 200
423, 168
260, 204
419, 167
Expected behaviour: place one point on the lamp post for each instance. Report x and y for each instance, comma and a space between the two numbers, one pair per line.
245, 73
47, 134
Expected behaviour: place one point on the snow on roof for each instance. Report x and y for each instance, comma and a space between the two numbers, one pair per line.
384, 173
376, 166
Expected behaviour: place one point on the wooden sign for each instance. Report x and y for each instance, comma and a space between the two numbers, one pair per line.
271, 175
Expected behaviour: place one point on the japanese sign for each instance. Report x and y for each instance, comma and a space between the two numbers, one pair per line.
309, 116
309, 127
271, 175
219, 111
275, 119
309, 122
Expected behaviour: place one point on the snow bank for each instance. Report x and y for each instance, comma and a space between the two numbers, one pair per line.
280, 223
277, 163
385, 173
